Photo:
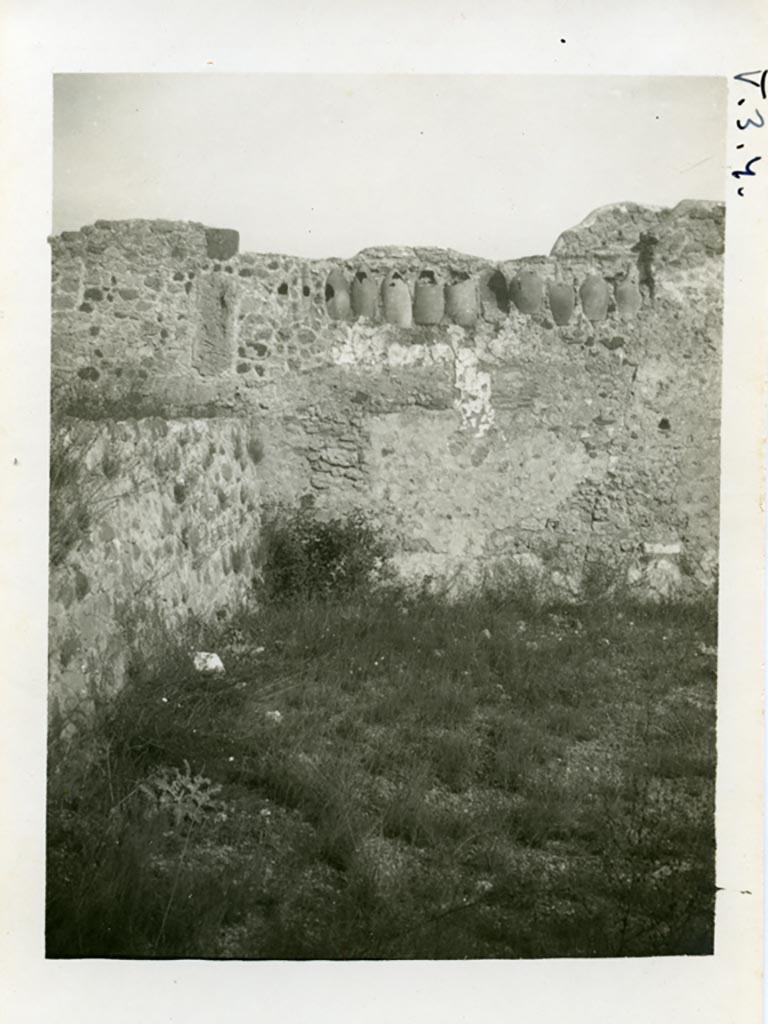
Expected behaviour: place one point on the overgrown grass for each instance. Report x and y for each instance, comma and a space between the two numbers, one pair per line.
402, 777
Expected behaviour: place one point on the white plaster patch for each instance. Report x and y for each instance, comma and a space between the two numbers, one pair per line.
356, 348
662, 549
474, 386
365, 348
441, 352
405, 355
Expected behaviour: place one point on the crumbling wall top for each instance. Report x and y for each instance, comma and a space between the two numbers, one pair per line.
693, 229
689, 232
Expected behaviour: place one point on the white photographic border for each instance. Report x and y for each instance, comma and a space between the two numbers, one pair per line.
40, 38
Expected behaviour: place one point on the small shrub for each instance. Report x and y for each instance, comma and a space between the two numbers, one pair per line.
180, 795
305, 556
507, 583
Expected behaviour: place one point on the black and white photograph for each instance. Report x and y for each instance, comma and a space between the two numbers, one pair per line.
383, 517
382, 540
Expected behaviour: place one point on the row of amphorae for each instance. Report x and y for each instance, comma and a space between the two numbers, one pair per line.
460, 300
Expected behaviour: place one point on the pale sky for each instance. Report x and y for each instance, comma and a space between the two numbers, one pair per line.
326, 165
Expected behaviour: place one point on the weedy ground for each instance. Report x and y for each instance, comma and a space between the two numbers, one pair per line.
385, 774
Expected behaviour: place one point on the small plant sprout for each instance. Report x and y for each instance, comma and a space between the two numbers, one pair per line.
180, 795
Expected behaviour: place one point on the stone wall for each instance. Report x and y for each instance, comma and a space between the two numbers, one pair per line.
174, 507
552, 410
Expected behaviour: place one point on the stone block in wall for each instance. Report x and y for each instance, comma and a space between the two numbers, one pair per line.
221, 243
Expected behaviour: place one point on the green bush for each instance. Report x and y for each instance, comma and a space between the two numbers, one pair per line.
302, 555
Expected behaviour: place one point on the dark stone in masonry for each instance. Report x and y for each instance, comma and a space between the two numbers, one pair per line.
221, 243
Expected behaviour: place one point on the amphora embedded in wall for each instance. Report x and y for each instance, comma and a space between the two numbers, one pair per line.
337, 300
627, 292
526, 290
562, 300
365, 298
595, 295
462, 300
428, 299
396, 299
